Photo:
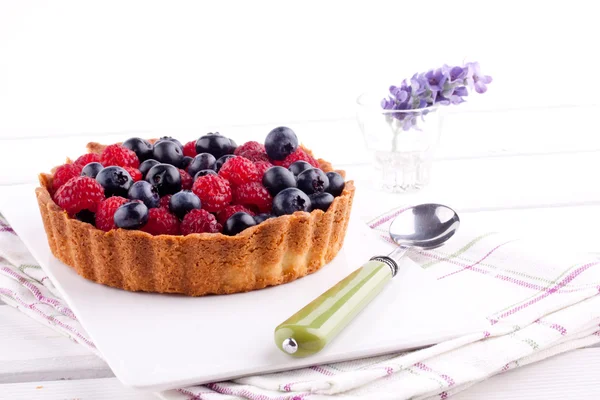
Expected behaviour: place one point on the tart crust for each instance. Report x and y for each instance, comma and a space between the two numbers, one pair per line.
277, 251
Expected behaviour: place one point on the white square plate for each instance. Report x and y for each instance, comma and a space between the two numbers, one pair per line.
159, 342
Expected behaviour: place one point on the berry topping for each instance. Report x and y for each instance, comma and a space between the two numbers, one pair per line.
146, 165
86, 159
299, 166
232, 146
63, 174
200, 162
86, 216
186, 162
336, 183
79, 193
321, 201
262, 167
249, 147
313, 181
278, 178
141, 147
214, 192
164, 201
91, 170
165, 177
298, 155
199, 221
239, 170
135, 173
161, 222
145, 192
169, 139
120, 156
189, 149
290, 200
222, 160
131, 215
183, 202
223, 215
168, 152
260, 218
186, 180
214, 144
280, 143
116, 181
253, 194
204, 172
105, 216
237, 223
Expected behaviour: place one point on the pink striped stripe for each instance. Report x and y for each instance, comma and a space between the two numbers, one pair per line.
550, 291
477, 262
321, 370
385, 219
250, 395
193, 396
8, 229
449, 381
557, 327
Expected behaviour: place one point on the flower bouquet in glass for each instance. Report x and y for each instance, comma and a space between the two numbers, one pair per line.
402, 127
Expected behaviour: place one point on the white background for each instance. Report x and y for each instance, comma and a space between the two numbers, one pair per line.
68, 67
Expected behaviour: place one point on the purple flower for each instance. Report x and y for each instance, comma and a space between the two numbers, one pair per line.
436, 79
476, 79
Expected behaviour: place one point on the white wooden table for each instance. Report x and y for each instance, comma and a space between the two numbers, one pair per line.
494, 168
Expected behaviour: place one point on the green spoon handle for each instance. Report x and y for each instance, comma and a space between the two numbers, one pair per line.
309, 330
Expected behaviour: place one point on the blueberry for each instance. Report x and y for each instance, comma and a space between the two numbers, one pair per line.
146, 165
204, 172
165, 178
313, 181
141, 147
214, 144
145, 192
131, 215
92, 169
321, 201
115, 181
169, 139
186, 162
276, 179
290, 200
200, 162
299, 166
336, 183
168, 152
223, 160
183, 202
280, 143
86, 216
262, 217
237, 223
232, 145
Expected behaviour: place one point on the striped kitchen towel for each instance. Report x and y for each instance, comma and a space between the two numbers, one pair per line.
539, 302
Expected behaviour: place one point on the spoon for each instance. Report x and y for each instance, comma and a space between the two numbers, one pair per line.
307, 332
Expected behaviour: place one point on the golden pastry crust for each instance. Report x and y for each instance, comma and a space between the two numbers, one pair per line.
277, 251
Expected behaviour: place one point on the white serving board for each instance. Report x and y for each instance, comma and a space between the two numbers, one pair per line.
159, 342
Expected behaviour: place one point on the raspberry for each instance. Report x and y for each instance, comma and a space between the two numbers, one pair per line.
165, 200
161, 222
106, 212
239, 170
199, 221
186, 180
79, 193
190, 149
135, 173
252, 146
255, 157
262, 167
298, 155
120, 156
214, 192
253, 194
63, 174
223, 215
86, 159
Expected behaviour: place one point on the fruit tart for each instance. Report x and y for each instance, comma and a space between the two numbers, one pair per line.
204, 217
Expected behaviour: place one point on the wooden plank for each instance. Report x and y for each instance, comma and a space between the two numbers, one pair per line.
88, 389
30, 351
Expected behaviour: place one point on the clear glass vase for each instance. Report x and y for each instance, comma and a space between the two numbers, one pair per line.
402, 143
